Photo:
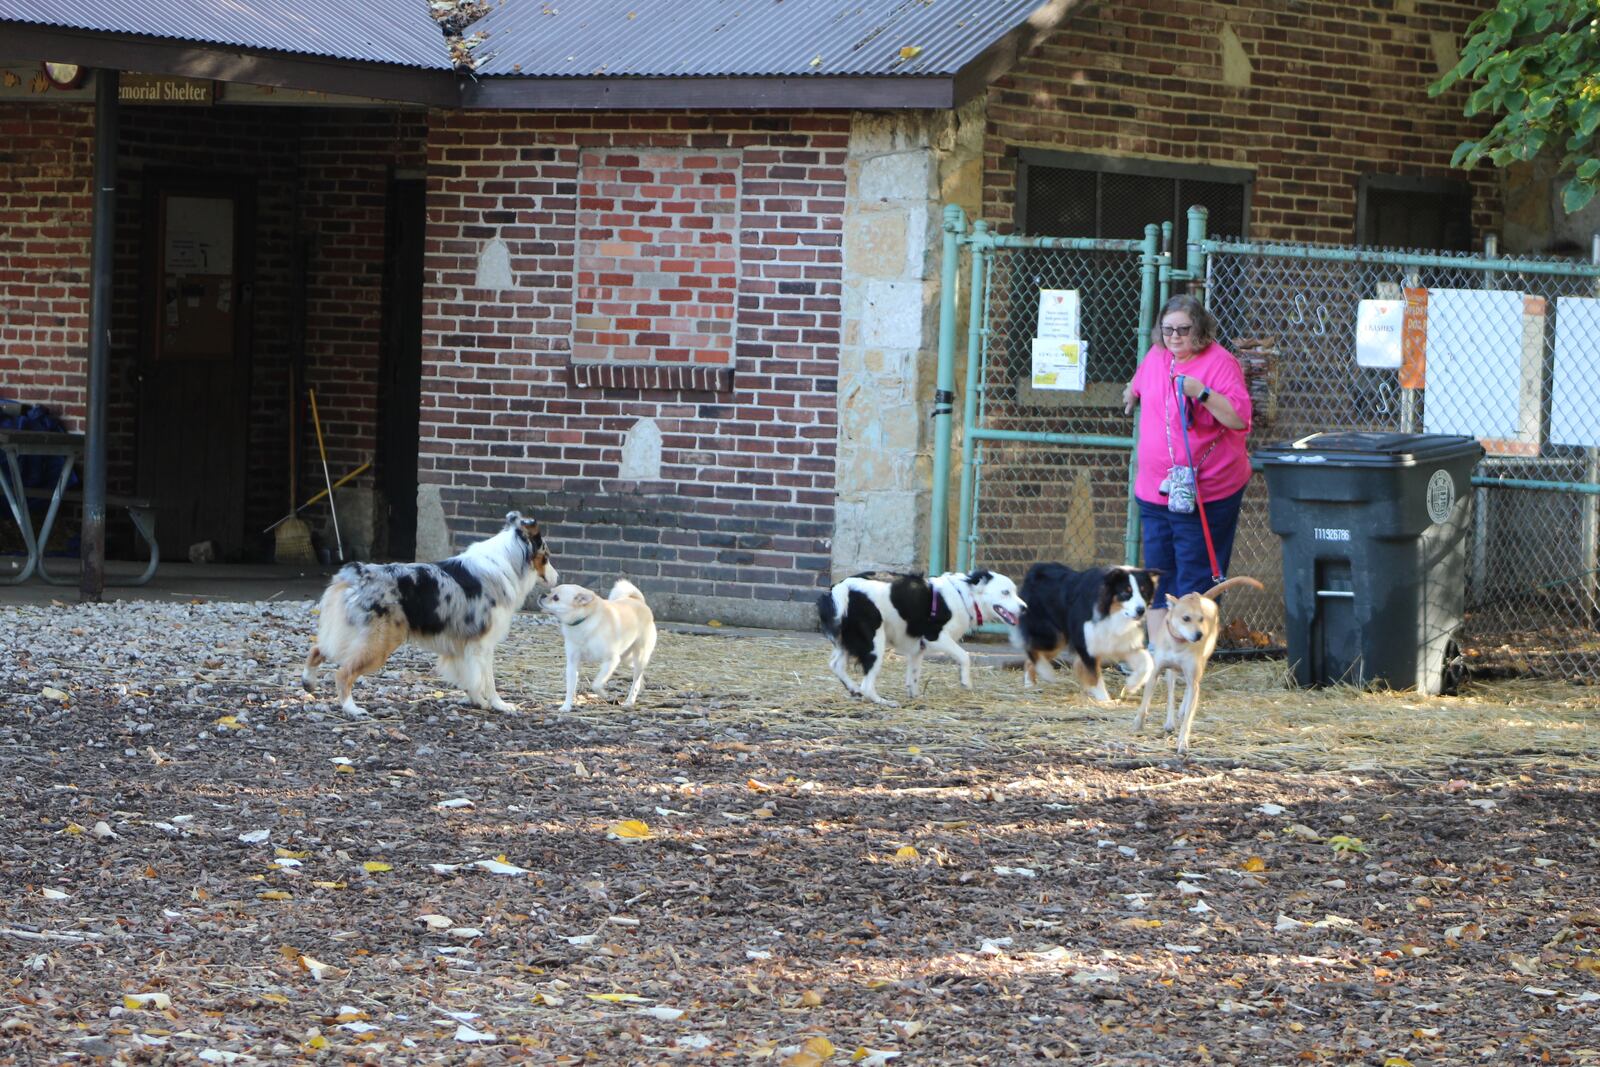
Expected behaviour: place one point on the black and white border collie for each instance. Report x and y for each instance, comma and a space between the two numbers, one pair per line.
868, 613
460, 608
1092, 617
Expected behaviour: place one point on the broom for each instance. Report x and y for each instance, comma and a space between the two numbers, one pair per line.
293, 543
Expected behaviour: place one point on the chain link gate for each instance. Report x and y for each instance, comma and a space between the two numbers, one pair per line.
1046, 474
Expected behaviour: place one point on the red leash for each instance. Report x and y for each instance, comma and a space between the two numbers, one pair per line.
1199, 501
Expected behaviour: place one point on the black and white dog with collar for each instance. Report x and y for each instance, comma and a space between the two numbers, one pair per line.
866, 614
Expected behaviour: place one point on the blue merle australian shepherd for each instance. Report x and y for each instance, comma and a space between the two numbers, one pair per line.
461, 608
866, 614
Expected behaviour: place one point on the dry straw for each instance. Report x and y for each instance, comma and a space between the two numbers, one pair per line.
1249, 715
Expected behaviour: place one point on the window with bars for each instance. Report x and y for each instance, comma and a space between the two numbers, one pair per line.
1070, 195
1414, 213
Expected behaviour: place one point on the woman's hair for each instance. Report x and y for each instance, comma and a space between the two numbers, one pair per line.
1205, 326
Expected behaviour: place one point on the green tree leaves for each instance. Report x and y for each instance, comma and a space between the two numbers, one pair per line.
1535, 64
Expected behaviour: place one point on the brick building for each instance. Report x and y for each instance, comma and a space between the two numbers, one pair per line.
664, 276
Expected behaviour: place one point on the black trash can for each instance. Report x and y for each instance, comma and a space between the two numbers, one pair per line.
1374, 529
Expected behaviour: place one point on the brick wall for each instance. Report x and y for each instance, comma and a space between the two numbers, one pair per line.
346, 160
1337, 90
743, 509
46, 213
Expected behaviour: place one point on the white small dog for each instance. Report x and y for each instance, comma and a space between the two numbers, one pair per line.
619, 629
1183, 643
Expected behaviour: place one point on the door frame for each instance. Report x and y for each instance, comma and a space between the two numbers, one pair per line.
159, 184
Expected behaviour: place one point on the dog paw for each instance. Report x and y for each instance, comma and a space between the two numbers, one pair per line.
354, 710
566, 706
502, 705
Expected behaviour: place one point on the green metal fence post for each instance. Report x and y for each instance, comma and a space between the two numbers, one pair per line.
1164, 275
1149, 259
1194, 260
979, 244
955, 224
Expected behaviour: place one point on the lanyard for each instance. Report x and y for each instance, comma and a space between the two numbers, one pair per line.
1166, 420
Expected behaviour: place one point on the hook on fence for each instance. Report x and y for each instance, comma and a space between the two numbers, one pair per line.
1300, 314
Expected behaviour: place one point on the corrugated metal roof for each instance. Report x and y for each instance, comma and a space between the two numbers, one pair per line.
379, 31
753, 38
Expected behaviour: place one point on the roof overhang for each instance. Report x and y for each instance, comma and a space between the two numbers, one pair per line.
706, 93
189, 59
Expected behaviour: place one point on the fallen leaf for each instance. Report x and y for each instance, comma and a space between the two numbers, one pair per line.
1254, 863
146, 1001
618, 998
499, 865
434, 922
907, 854
467, 1033
255, 837
910, 51
629, 830
376, 867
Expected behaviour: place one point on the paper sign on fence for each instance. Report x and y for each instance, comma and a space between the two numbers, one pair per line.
1378, 328
1058, 364
1058, 314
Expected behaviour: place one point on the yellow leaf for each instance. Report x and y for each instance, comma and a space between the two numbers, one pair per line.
74, 829
1255, 863
328, 885
50, 693
755, 785
351, 1016
812, 1053
618, 998
274, 998
1140, 924
146, 1001
713, 623
910, 51
816, 60
913, 750
375, 867
810, 999
317, 1044
344, 768
229, 721
907, 854
274, 894
285, 854
1396, 1061
629, 830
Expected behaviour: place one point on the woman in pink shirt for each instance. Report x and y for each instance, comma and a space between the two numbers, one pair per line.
1186, 358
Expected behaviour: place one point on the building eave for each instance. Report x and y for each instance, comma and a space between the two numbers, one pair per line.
189, 59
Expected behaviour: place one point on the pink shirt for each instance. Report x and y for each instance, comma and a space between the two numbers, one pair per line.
1226, 467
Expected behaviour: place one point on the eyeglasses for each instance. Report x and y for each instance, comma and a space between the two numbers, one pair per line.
1175, 331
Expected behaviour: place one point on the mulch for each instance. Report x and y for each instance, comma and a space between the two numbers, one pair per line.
764, 871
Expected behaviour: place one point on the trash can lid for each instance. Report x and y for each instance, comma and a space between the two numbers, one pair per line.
1367, 448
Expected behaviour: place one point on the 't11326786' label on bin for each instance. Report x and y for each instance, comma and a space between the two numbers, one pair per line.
1325, 533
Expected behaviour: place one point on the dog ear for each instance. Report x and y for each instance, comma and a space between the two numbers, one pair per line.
513, 518
1172, 601
583, 598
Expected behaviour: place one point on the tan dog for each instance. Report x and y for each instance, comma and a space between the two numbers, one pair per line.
609, 632
1184, 642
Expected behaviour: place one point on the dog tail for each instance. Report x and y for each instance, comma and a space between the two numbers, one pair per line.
624, 589
337, 634
1222, 587
830, 611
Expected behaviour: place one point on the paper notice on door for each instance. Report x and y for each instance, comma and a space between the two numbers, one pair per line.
1058, 364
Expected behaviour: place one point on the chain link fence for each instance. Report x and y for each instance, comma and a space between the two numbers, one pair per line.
1510, 358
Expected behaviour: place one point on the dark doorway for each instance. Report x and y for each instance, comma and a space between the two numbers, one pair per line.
400, 381
194, 358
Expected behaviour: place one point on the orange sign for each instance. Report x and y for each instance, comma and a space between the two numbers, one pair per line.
1414, 341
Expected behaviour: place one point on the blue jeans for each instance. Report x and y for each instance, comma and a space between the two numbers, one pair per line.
1175, 545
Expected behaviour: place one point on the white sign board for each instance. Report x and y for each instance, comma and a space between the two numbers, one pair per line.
1058, 314
1058, 364
1575, 383
1378, 333
1474, 363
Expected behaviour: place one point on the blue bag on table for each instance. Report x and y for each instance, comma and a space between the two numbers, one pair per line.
38, 472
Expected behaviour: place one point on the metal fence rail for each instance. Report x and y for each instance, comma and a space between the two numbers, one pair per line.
1512, 359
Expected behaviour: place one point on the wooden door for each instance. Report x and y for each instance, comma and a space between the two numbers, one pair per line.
195, 361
